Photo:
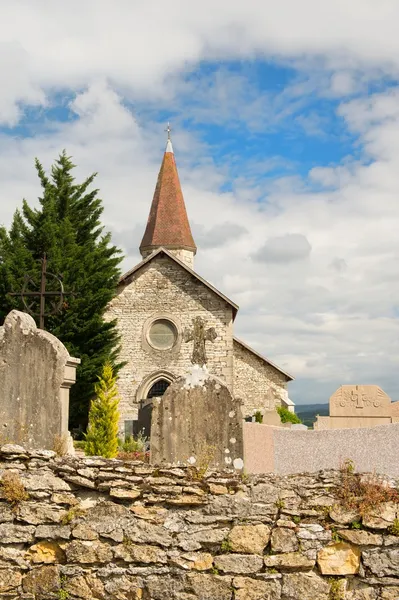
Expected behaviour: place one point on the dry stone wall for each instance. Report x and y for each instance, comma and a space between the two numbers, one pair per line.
105, 529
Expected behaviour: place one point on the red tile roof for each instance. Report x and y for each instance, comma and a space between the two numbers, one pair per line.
167, 224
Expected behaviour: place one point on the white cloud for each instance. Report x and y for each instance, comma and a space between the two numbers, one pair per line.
329, 319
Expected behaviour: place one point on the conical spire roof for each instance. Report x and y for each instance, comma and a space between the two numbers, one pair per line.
167, 223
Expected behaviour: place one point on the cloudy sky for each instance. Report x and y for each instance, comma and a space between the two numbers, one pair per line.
285, 121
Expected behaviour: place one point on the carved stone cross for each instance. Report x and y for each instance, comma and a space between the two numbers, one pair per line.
199, 335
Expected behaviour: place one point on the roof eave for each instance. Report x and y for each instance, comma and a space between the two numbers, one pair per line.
266, 360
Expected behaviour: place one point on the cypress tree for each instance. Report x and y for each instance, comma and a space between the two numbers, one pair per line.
66, 226
102, 432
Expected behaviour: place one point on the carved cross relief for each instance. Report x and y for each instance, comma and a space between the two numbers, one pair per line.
199, 335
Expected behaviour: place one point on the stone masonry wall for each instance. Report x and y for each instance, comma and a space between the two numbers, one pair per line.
163, 289
108, 530
259, 385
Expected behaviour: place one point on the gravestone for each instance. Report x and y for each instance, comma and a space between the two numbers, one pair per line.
353, 406
36, 373
197, 422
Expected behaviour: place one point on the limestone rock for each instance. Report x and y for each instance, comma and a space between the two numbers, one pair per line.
252, 589
187, 499
15, 534
45, 480
43, 582
218, 489
382, 517
143, 532
249, 539
12, 449
390, 593
9, 580
86, 587
140, 553
53, 532
210, 536
359, 537
46, 552
204, 587
284, 540
6, 514
122, 494
198, 561
339, 559
84, 532
37, 514
239, 563
289, 561
305, 586
265, 493
382, 563
342, 515
358, 590
87, 552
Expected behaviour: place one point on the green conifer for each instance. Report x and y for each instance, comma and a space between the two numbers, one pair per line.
66, 226
102, 431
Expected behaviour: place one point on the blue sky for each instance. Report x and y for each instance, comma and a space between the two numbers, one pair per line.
286, 132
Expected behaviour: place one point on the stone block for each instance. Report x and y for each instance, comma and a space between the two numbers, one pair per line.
36, 373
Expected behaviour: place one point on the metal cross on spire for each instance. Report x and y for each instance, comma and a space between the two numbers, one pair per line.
168, 130
29, 294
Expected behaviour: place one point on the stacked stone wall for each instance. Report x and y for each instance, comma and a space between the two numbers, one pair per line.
104, 529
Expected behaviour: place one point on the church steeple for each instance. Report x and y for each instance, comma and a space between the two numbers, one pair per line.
167, 224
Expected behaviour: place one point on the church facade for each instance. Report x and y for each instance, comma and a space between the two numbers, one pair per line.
170, 318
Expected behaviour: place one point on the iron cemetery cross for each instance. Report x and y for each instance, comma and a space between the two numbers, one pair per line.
56, 297
200, 335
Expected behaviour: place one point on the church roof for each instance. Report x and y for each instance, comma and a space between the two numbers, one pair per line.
158, 252
266, 360
167, 224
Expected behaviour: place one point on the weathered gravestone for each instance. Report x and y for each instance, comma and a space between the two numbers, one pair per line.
36, 373
353, 406
197, 422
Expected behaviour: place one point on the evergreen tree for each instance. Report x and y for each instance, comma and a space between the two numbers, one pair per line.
66, 226
102, 432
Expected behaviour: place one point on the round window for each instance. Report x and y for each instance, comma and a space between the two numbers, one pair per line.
162, 334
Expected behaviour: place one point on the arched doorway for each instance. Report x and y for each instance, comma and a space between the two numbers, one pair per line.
156, 389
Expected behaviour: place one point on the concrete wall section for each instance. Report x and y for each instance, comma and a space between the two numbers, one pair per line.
259, 385
285, 451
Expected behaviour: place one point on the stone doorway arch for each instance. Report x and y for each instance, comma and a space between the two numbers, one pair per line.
153, 386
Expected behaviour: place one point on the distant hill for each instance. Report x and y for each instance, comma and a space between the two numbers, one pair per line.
307, 412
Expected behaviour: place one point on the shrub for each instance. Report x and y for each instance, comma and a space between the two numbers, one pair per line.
13, 489
102, 431
134, 444
286, 416
362, 494
258, 417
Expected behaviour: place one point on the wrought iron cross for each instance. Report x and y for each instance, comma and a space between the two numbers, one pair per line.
199, 335
57, 298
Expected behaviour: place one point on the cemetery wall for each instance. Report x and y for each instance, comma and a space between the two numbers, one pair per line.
104, 529
287, 451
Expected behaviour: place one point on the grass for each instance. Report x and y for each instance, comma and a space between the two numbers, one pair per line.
13, 489
336, 591
362, 494
226, 547
394, 528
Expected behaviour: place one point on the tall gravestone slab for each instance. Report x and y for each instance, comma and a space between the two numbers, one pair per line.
197, 421
36, 373
357, 406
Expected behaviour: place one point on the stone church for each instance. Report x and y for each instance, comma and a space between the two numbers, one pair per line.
170, 318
